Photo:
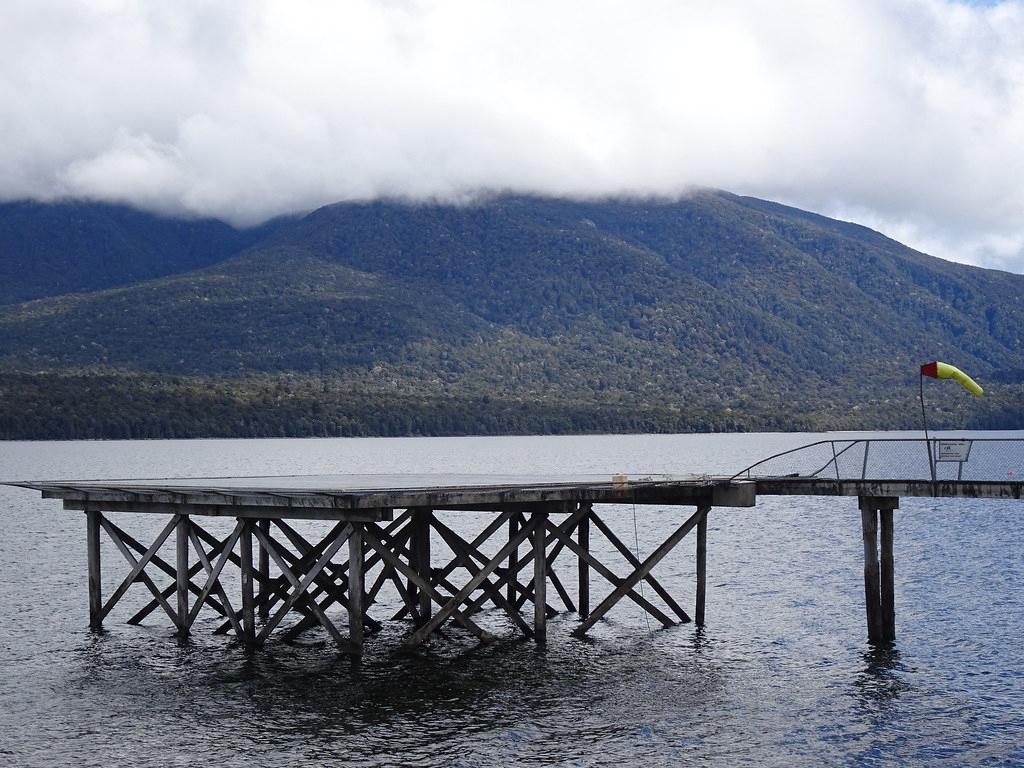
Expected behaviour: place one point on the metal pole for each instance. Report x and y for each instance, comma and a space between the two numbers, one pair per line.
924, 423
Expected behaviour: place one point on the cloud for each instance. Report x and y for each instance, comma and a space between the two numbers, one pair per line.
906, 115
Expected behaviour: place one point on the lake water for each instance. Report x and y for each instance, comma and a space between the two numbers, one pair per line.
781, 675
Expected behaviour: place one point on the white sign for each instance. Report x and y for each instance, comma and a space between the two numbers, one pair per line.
953, 450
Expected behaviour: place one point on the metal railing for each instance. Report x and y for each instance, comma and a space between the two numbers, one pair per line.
938, 459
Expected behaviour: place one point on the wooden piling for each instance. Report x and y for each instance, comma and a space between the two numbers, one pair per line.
421, 521
879, 592
263, 569
356, 588
513, 557
248, 600
540, 578
181, 573
583, 567
702, 568
888, 596
92, 522
872, 587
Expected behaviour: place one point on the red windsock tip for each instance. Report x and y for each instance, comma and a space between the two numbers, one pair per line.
930, 369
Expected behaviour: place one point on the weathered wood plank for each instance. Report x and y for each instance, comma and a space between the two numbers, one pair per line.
285, 501
972, 489
263, 511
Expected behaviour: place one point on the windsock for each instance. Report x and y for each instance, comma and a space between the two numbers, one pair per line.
939, 370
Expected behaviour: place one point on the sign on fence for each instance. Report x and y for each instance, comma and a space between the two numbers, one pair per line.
953, 450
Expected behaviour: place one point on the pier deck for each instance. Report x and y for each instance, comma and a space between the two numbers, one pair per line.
336, 496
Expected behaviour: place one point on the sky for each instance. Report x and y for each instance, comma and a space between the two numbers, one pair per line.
906, 115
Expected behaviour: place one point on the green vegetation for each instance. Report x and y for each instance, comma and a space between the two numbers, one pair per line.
522, 315
120, 406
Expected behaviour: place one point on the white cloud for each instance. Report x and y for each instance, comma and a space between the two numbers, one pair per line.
908, 113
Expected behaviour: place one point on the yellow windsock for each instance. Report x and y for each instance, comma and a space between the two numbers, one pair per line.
939, 370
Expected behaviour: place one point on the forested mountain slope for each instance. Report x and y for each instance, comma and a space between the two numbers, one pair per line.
51, 249
520, 314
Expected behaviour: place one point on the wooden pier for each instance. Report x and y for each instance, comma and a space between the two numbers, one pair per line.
382, 529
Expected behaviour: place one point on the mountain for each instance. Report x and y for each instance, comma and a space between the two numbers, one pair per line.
57, 248
515, 314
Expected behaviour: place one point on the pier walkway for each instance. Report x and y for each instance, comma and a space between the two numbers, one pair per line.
380, 529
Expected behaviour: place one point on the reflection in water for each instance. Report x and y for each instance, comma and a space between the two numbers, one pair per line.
882, 678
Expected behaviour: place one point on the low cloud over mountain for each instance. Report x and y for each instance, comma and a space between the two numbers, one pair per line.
906, 116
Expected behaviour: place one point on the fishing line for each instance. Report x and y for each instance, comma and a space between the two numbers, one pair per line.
636, 551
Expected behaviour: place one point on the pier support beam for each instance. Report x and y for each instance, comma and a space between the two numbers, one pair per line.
540, 577
95, 585
641, 572
702, 568
421, 521
583, 567
513, 557
886, 567
263, 571
308, 580
356, 589
879, 593
248, 599
182, 580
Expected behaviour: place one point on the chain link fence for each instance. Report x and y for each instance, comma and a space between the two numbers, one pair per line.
986, 459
